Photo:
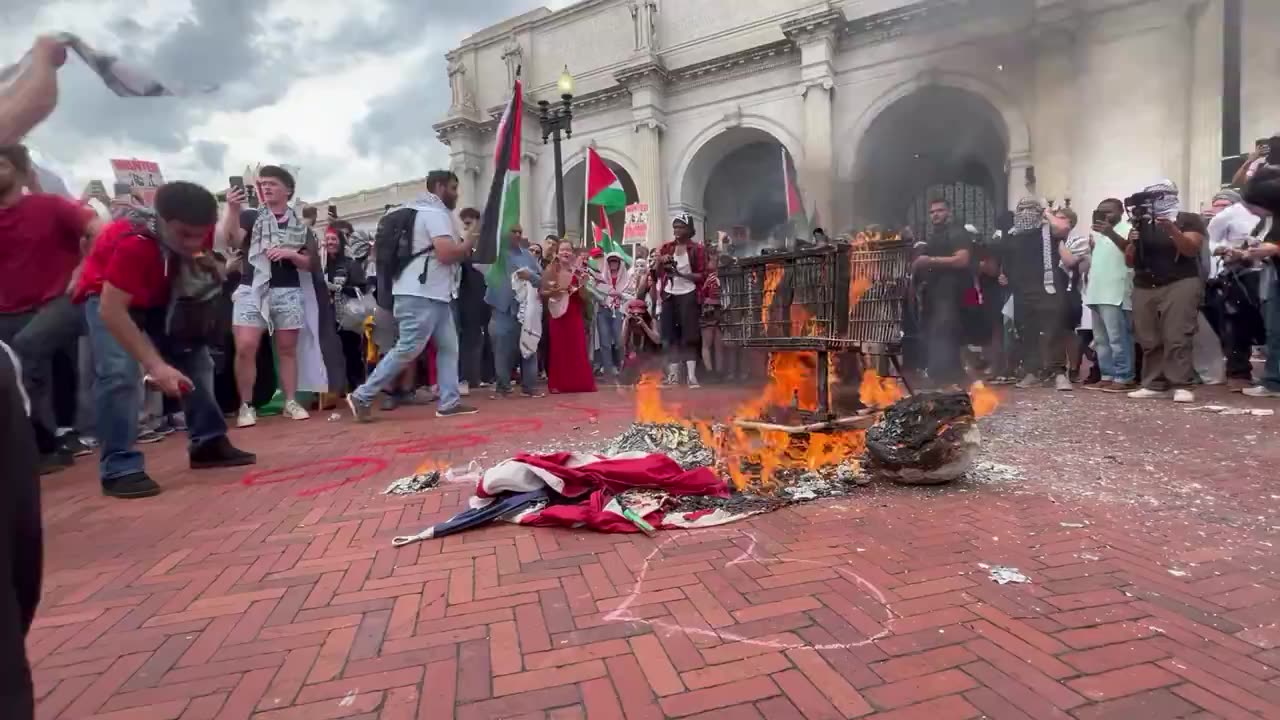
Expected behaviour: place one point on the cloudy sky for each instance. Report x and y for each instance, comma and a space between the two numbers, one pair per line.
346, 91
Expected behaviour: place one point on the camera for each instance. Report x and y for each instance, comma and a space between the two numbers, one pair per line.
1141, 205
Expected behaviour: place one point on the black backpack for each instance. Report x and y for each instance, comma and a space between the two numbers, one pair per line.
393, 251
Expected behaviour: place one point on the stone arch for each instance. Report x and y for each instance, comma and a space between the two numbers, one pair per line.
704, 154
575, 190
939, 134
1012, 120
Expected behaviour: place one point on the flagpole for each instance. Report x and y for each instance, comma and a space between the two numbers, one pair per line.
586, 200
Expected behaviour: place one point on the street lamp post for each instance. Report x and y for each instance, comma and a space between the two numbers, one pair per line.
555, 120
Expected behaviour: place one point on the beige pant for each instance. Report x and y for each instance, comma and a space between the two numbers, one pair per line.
1164, 323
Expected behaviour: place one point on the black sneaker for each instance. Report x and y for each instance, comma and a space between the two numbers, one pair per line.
500, 394
360, 411
56, 461
390, 401
128, 487
219, 453
457, 410
74, 445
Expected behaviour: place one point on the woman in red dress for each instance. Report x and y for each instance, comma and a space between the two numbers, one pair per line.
568, 362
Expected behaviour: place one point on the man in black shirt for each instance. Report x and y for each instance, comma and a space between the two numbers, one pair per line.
944, 269
1164, 252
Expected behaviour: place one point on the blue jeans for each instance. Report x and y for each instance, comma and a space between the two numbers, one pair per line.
1113, 340
1271, 370
420, 320
609, 330
117, 400
505, 332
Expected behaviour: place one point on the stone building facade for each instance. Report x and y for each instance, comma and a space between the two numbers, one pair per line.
878, 102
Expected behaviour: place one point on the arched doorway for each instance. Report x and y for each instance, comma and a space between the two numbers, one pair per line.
733, 182
575, 207
935, 142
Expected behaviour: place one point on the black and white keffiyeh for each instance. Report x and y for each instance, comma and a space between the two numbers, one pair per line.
121, 77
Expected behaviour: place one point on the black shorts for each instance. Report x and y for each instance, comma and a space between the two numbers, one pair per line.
681, 320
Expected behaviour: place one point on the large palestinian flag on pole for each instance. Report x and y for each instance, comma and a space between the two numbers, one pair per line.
797, 220
603, 187
502, 211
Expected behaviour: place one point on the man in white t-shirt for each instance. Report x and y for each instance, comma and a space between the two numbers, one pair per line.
423, 293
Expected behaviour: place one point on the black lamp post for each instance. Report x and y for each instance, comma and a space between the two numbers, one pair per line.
554, 120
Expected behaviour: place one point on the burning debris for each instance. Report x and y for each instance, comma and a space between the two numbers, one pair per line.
924, 439
415, 483
682, 443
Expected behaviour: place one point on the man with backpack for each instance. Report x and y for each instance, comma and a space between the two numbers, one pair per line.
419, 251
151, 291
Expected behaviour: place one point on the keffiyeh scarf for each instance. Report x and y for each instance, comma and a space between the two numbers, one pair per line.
120, 77
1166, 205
1028, 217
268, 234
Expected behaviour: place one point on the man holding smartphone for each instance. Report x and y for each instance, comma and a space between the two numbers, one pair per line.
1109, 296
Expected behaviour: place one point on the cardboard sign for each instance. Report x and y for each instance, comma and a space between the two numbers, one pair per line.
636, 228
142, 176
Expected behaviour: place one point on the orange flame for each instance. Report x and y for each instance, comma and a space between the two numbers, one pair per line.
984, 399
430, 465
772, 278
878, 392
802, 321
649, 405
857, 289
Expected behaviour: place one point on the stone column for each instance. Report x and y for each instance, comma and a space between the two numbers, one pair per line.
1205, 144
461, 135
646, 79
1018, 187
528, 212
1053, 131
816, 36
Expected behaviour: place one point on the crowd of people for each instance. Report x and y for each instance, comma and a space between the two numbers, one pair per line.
1149, 301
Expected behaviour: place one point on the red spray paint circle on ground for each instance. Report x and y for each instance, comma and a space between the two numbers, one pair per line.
352, 470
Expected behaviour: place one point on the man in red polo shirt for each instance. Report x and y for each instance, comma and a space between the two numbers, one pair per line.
42, 239
133, 300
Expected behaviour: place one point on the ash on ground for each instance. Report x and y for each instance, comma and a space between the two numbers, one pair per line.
416, 483
685, 446
680, 443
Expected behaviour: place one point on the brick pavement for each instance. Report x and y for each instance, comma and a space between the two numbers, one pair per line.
1146, 530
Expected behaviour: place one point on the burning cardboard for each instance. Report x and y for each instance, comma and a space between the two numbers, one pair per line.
925, 439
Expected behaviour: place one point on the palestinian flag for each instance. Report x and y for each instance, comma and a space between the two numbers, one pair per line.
797, 221
603, 187
502, 211
604, 238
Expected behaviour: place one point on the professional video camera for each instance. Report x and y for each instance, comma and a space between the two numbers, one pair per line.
1141, 205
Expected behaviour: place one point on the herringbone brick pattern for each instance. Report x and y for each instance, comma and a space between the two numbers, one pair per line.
277, 595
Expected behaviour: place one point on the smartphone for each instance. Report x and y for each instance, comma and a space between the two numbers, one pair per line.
333, 211
237, 182
1099, 216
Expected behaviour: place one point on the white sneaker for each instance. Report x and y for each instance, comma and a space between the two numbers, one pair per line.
247, 417
1253, 392
1028, 381
1145, 394
464, 388
1183, 396
693, 382
294, 411
1062, 383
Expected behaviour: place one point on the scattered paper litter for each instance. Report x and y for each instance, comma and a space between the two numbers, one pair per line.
1225, 410
1073, 524
416, 483
1005, 575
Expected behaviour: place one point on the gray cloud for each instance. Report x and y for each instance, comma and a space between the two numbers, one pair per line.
254, 61
212, 154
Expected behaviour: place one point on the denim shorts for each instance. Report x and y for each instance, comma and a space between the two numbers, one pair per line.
284, 305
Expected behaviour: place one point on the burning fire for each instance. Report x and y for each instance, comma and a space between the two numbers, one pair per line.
430, 465
802, 321
772, 278
857, 289
985, 400
649, 405
878, 392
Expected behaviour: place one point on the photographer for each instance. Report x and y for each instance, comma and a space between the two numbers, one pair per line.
1233, 305
1163, 249
1259, 158
681, 266
1262, 197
